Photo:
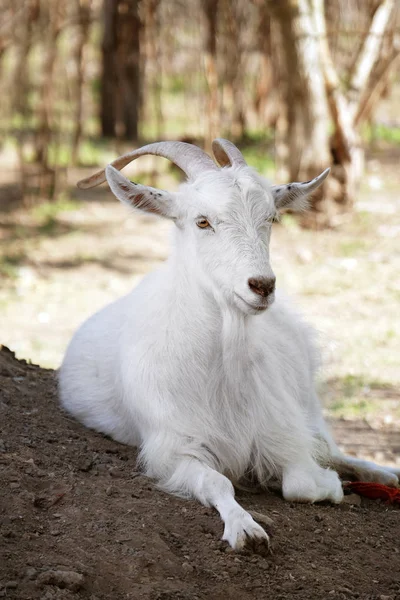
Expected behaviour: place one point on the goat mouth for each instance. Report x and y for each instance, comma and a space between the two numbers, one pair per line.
259, 308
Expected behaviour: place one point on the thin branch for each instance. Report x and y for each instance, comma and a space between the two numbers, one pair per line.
376, 85
369, 54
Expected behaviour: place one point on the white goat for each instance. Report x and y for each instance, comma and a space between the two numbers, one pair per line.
201, 366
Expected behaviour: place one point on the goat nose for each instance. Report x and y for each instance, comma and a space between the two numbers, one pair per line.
262, 286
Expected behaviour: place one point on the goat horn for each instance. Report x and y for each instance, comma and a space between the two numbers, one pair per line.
284, 194
226, 154
191, 159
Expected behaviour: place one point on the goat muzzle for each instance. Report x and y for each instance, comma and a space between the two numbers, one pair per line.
262, 286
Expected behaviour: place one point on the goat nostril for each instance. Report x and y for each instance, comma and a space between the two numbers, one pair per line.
262, 286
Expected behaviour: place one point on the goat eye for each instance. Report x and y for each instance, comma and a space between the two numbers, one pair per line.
273, 219
203, 223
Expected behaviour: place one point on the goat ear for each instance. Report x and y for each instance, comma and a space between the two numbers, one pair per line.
294, 195
140, 196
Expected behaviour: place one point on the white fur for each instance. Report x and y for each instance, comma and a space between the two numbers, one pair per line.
210, 380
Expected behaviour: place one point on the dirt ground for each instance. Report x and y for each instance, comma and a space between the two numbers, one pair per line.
77, 520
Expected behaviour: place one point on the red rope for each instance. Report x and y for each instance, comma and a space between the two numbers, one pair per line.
375, 491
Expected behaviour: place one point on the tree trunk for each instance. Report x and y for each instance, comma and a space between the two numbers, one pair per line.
305, 106
346, 149
52, 22
346, 146
109, 72
121, 98
153, 63
128, 68
82, 8
265, 109
377, 87
21, 76
314, 95
234, 19
210, 8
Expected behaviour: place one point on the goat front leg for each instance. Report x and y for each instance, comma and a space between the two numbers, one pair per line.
195, 479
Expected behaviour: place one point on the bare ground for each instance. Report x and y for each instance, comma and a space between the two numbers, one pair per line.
77, 520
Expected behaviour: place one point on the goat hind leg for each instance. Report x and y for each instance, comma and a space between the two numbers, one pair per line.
350, 467
364, 470
329, 455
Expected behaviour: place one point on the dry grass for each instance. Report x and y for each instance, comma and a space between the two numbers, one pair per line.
60, 264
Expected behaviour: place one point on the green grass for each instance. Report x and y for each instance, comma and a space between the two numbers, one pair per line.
91, 153
9, 264
289, 222
352, 408
380, 132
258, 158
352, 247
44, 223
259, 136
94, 152
357, 396
51, 210
175, 84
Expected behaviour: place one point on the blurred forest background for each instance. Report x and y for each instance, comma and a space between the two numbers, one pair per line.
297, 84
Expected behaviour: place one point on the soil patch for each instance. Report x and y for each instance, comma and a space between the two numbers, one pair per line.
77, 520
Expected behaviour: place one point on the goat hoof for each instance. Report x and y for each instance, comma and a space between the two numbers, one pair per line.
378, 475
242, 533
